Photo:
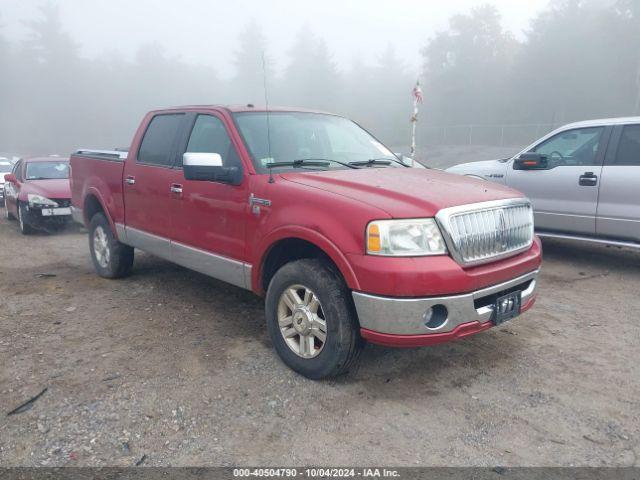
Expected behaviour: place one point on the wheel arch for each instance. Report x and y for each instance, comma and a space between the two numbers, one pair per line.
283, 247
93, 204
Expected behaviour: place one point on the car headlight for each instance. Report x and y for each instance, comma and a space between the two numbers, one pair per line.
405, 238
39, 200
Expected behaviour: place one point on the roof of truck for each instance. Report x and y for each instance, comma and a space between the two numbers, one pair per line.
603, 121
250, 107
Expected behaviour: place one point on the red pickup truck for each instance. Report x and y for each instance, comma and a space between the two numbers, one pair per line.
345, 241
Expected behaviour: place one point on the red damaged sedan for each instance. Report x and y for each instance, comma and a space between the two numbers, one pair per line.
38, 194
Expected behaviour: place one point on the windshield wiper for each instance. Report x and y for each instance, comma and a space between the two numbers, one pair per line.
315, 162
372, 161
300, 163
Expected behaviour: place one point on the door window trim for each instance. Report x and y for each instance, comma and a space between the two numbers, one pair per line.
174, 143
17, 170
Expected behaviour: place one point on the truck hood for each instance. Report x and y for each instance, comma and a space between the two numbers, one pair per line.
483, 168
55, 188
404, 192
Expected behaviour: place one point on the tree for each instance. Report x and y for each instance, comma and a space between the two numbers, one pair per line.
390, 99
628, 13
580, 61
5, 82
49, 69
466, 67
49, 44
311, 78
252, 66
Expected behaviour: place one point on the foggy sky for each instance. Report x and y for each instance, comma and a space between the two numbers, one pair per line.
203, 31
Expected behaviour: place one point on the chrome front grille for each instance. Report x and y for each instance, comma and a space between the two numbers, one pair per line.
488, 231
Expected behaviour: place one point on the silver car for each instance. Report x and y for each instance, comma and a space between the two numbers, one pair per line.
583, 180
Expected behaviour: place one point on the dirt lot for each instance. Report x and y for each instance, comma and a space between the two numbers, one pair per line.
169, 367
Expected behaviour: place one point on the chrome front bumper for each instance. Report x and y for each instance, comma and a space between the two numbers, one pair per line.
405, 316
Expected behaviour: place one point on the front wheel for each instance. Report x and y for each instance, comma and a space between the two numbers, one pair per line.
311, 319
111, 258
24, 222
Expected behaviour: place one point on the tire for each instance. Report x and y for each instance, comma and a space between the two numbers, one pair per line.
111, 258
342, 342
23, 220
7, 214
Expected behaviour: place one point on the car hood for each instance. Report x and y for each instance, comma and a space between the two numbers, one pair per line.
480, 168
404, 192
56, 188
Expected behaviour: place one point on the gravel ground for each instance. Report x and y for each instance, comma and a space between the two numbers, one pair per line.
171, 368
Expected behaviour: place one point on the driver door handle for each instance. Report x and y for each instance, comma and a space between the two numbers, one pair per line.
176, 188
588, 179
130, 180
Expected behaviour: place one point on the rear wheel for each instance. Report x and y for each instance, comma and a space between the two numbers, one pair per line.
311, 319
111, 258
24, 222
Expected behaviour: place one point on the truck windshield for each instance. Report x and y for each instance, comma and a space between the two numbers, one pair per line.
47, 170
293, 137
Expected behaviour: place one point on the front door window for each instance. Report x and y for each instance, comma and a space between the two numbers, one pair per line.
577, 147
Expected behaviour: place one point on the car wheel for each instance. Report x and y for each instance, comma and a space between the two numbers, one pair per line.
111, 258
23, 220
7, 214
311, 319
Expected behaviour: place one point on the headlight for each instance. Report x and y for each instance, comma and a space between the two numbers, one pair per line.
405, 238
40, 200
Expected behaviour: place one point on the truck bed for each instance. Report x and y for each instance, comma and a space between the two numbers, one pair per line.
98, 174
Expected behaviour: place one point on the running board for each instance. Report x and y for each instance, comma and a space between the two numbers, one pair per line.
603, 241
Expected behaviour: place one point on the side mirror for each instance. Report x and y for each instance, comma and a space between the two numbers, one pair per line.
208, 167
10, 177
531, 161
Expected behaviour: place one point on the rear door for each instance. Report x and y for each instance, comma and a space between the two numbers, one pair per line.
619, 201
565, 196
147, 185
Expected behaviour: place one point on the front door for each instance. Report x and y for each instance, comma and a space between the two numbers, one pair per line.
619, 200
147, 185
209, 218
565, 195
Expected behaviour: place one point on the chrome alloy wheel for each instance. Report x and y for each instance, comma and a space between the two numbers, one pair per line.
101, 247
301, 321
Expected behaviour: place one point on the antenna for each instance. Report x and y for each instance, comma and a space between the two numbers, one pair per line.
266, 104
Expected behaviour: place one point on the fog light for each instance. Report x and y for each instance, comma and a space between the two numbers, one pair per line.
435, 317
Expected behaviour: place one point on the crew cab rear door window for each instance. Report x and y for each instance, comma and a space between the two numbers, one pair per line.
157, 146
628, 153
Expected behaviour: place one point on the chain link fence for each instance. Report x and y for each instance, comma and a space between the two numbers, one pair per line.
513, 135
